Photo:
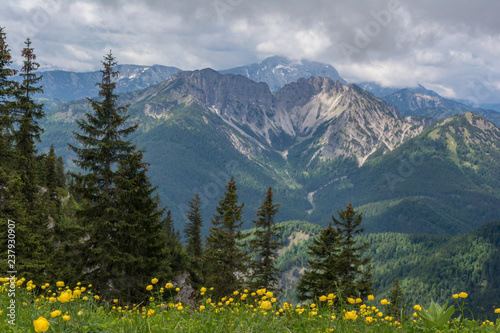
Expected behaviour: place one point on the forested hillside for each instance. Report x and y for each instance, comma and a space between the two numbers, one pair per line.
427, 266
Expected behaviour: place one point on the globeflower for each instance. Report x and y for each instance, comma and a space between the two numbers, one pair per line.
417, 307
384, 302
64, 297
41, 324
497, 310
369, 320
60, 284
169, 285
322, 298
149, 288
371, 297
203, 289
463, 295
351, 300
55, 313
154, 281
352, 315
455, 296
66, 317
266, 305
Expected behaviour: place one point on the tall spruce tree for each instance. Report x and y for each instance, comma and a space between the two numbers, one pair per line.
27, 115
193, 227
8, 169
141, 236
102, 148
225, 257
322, 275
264, 247
11, 201
7, 90
194, 247
34, 239
336, 261
354, 270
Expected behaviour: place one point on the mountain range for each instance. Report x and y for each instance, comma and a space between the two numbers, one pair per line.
320, 144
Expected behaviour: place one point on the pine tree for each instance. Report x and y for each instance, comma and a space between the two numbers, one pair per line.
102, 148
322, 276
194, 248
27, 115
353, 269
141, 236
33, 238
264, 245
336, 261
225, 257
193, 228
396, 300
7, 89
8, 170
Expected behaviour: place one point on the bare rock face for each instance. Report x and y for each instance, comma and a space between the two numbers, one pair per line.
344, 120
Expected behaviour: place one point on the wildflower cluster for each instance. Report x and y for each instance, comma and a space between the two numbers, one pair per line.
58, 307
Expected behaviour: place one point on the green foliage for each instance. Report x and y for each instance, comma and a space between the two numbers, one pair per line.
226, 261
436, 316
336, 260
264, 247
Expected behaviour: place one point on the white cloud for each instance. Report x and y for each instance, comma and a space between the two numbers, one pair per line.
445, 44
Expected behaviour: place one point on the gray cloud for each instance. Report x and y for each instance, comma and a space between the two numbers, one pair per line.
451, 46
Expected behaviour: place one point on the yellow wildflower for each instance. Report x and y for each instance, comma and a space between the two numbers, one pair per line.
497, 310
55, 313
455, 296
266, 305
351, 300
149, 288
154, 281
203, 289
384, 302
41, 324
369, 320
352, 315
322, 298
64, 297
463, 295
371, 297
60, 284
66, 317
417, 307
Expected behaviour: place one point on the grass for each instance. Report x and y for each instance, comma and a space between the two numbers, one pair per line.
58, 308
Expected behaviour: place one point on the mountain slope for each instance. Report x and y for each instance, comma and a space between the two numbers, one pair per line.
68, 86
423, 102
320, 145
278, 71
443, 181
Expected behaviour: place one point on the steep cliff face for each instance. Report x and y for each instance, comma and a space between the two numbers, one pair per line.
344, 120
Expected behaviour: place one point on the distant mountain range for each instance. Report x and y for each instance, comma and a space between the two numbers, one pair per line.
278, 71
68, 86
319, 143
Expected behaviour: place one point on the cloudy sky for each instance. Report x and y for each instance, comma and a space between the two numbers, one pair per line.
450, 46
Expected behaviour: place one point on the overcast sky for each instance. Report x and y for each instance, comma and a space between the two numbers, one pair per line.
450, 46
